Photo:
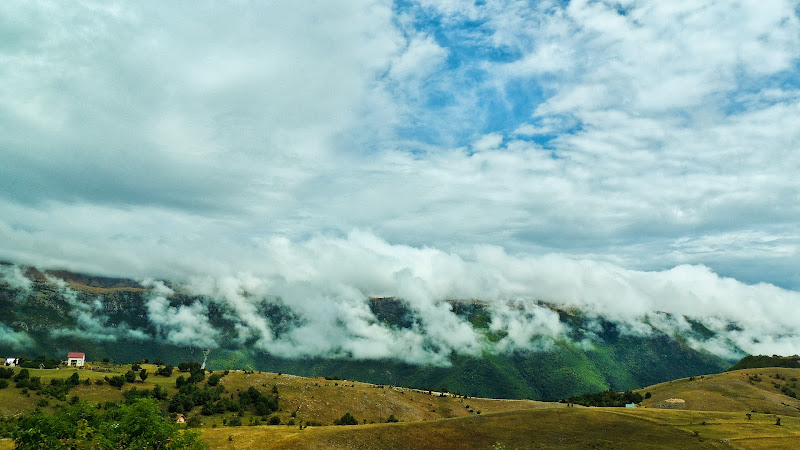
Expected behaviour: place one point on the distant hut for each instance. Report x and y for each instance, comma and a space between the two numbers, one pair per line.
75, 359
12, 362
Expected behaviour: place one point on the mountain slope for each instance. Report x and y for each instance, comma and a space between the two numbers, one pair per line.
57, 312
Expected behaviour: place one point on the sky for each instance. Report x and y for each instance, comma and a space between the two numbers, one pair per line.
632, 155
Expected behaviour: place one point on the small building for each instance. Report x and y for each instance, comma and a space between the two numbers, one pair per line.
75, 359
12, 362
630, 405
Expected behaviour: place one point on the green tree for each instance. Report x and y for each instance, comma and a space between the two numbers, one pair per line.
213, 380
130, 376
347, 419
139, 425
143, 374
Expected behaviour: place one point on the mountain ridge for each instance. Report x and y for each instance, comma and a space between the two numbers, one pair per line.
117, 318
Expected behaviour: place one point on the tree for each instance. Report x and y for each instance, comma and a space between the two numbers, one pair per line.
138, 425
117, 381
192, 366
130, 376
213, 380
143, 374
347, 419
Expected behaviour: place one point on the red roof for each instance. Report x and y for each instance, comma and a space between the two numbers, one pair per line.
76, 355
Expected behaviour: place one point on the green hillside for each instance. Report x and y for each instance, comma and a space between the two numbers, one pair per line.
758, 361
108, 318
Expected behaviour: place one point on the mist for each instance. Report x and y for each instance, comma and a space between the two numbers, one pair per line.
326, 283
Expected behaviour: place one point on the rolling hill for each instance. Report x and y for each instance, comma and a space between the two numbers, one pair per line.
726, 410
56, 312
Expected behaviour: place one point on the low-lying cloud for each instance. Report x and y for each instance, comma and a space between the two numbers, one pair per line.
322, 287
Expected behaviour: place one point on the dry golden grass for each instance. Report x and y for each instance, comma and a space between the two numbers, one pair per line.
323, 401
732, 391
544, 428
716, 414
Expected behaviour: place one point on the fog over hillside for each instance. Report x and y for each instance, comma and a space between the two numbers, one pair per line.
635, 159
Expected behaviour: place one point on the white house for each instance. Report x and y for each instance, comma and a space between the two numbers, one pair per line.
12, 362
75, 359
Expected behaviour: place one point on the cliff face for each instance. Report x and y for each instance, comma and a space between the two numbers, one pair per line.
118, 319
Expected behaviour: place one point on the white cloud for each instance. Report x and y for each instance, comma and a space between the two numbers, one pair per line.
607, 139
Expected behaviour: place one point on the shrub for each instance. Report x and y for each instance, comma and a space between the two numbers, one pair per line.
392, 419
140, 425
3, 384
117, 381
22, 375
189, 366
130, 376
165, 371
194, 422
213, 380
347, 419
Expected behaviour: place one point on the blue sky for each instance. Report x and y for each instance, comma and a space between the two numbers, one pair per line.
191, 139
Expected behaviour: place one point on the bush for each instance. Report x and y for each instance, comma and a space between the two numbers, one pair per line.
3, 384
213, 380
117, 381
274, 420
165, 371
235, 422
139, 425
130, 376
194, 422
189, 366
347, 419
392, 419
8, 372
22, 375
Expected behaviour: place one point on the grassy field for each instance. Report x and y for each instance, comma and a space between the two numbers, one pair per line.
715, 414
749, 390
544, 428
302, 399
